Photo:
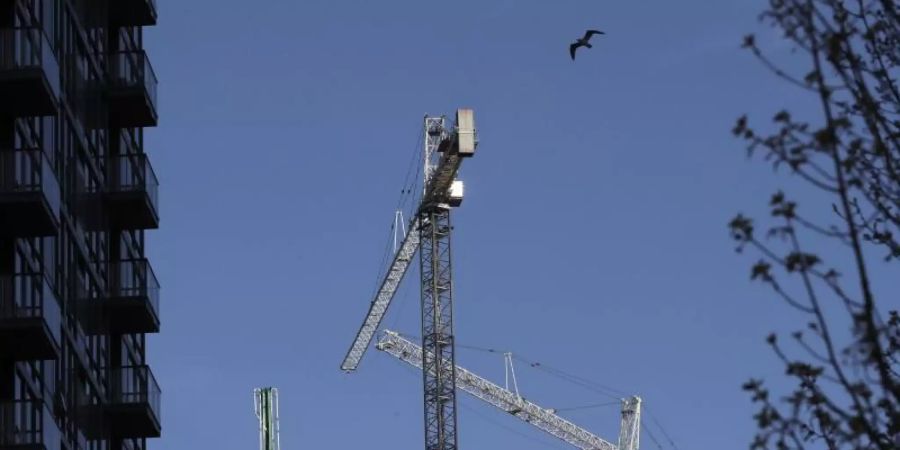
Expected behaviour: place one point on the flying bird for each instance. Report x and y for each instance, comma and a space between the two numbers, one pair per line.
583, 42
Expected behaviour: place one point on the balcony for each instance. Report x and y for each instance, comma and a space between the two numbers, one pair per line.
132, 198
134, 403
132, 95
29, 194
29, 73
133, 303
133, 13
27, 425
30, 319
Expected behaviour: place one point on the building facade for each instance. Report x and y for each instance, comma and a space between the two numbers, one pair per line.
77, 194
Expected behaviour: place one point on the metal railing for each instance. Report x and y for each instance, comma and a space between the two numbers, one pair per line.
28, 47
132, 69
28, 296
133, 172
27, 423
135, 385
29, 170
135, 278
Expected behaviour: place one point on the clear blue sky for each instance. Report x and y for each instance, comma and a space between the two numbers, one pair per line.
592, 237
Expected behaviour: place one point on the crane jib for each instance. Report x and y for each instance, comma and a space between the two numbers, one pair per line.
544, 419
436, 193
386, 291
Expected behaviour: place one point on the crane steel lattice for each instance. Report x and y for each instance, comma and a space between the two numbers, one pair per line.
431, 227
630, 432
542, 418
265, 402
383, 298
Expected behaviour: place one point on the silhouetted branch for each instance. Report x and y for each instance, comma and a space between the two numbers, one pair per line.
853, 48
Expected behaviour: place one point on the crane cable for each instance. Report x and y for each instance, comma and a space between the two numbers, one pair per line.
409, 196
413, 372
407, 193
574, 379
585, 384
411, 179
599, 388
607, 391
661, 429
591, 406
508, 428
650, 435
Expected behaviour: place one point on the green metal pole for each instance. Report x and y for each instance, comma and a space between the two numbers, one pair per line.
266, 402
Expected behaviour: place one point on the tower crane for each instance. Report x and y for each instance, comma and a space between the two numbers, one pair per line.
430, 230
544, 419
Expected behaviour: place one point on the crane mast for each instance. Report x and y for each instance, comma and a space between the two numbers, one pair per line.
630, 432
265, 403
544, 419
442, 191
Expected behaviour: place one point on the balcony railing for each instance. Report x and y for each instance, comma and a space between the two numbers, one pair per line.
133, 84
134, 402
29, 194
30, 317
29, 72
135, 385
133, 69
134, 192
135, 278
136, 174
28, 424
28, 170
133, 302
29, 295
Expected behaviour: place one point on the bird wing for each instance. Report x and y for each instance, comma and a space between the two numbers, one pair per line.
589, 33
572, 49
